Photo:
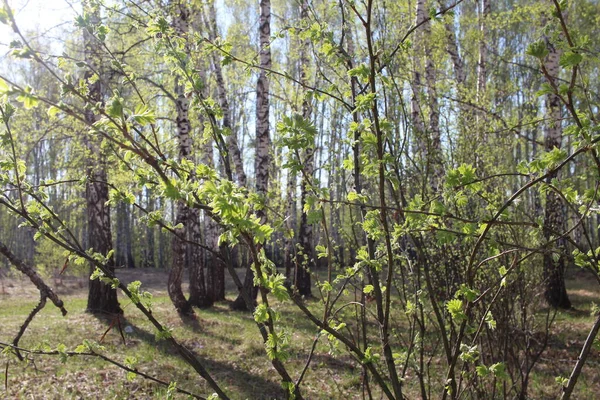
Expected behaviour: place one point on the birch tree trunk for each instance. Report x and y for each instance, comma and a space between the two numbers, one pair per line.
304, 265
416, 113
199, 293
459, 71
202, 272
452, 49
217, 276
120, 257
484, 11
428, 140
555, 258
232, 142
130, 261
123, 246
434, 158
263, 140
178, 244
289, 255
102, 299
149, 251
215, 269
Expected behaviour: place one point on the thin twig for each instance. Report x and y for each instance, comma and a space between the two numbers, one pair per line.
103, 357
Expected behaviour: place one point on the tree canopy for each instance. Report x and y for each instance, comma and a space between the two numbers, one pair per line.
415, 178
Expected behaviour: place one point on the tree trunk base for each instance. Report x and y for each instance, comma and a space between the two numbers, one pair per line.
201, 302
555, 291
558, 300
186, 310
240, 305
102, 299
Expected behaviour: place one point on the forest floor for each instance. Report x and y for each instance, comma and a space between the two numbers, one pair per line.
227, 343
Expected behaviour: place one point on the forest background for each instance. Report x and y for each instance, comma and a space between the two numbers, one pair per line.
401, 192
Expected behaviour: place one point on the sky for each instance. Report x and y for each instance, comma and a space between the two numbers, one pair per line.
49, 18
45, 18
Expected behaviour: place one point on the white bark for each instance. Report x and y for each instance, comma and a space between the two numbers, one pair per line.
416, 114
232, 141
484, 11
302, 279
184, 141
452, 50
263, 139
428, 139
554, 219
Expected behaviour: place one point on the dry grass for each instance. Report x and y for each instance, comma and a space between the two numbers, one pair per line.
228, 343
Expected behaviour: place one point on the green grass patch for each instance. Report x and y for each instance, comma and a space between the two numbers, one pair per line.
230, 347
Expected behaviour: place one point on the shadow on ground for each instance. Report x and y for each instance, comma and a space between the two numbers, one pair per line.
241, 383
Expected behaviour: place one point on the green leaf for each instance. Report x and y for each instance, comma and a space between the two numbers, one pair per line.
482, 371
27, 98
61, 349
468, 293
537, 49
164, 333
97, 274
362, 71
101, 32
410, 308
143, 115
171, 390
370, 356
277, 287
545, 88
326, 287
570, 59
82, 348
561, 380
9, 111
276, 346
455, 308
499, 371
114, 107
364, 102
490, 321
24, 53
171, 192
261, 314
469, 353
503, 271
3, 86
53, 111
4, 18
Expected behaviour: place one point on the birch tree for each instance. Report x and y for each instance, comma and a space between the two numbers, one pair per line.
305, 263
263, 140
555, 258
181, 21
102, 298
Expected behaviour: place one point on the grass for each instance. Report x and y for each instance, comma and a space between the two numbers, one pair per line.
229, 345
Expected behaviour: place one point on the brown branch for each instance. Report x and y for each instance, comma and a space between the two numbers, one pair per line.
102, 357
40, 305
585, 352
44, 289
